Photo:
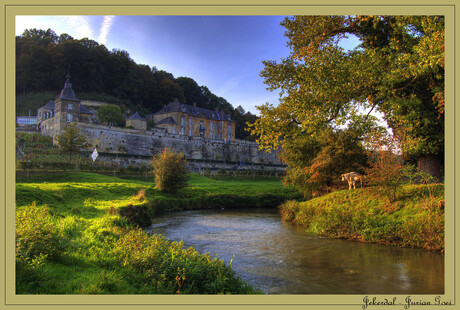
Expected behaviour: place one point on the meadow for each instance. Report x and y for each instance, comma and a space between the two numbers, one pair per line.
81, 233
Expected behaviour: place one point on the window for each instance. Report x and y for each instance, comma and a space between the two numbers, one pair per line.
211, 126
229, 132
69, 117
174, 130
202, 129
70, 106
182, 125
190, 132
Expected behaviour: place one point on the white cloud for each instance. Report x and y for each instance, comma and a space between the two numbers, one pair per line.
105, 28
79, 26
76, 26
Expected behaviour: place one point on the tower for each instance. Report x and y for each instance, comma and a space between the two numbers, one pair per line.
66, 106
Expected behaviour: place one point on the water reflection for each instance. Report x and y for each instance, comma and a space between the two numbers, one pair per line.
280, 259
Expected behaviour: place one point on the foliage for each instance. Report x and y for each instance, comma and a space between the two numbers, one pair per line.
70, 141
362, 215
397, 69
242, 119
110, 114
386, 168
341, 153
37, 236
182, 270
170, 169
316, 162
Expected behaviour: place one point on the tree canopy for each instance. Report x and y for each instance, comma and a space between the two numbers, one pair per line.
110, 114
397, 69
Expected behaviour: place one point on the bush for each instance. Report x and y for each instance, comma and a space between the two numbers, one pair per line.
386, 168
170, 171
169, 268
37, 236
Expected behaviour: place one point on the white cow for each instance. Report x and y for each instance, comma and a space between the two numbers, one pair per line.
352, 178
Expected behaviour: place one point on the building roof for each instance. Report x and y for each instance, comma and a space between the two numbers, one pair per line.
177, 106
167, 120
67, 92
50, 106
136, 116
84, 110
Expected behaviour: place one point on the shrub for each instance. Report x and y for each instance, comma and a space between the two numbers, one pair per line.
169, 268
37, 236
386, 168
170, 171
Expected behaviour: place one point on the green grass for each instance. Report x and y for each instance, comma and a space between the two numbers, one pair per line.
413, 220
94, 218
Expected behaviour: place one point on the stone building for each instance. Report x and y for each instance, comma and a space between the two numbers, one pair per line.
136, 122
192, 121
53, 117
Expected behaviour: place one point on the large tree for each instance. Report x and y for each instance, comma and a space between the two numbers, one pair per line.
397, 69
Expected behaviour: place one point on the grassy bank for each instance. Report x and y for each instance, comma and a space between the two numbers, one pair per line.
77, 234
414, 220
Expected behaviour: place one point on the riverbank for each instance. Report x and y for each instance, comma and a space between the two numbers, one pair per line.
415, 219
85, 226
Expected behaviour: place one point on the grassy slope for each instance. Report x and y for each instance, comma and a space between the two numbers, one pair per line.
414, 220
85, 208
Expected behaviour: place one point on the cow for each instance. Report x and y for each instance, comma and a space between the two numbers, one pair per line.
352, 178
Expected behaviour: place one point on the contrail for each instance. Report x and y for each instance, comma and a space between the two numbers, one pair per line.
105, 29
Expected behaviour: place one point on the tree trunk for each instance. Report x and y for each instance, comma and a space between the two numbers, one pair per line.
430, 164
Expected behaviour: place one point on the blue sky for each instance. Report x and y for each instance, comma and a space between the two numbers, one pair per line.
224, 53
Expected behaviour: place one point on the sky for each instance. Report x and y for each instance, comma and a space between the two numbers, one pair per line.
224, 53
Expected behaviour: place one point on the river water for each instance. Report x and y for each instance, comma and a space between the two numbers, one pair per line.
280, 259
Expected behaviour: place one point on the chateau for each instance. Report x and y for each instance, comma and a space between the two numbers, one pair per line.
195, 122
200, 134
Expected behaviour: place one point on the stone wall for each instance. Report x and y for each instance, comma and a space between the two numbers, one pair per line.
134, 142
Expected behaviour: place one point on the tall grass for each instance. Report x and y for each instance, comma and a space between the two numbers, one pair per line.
414, 220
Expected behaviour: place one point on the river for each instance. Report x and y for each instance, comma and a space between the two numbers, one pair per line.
280, 259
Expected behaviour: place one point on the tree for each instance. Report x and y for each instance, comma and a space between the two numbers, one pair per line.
110, 114
398, 70
315, 162
385, 171
170, 170
70, 141
242, 119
